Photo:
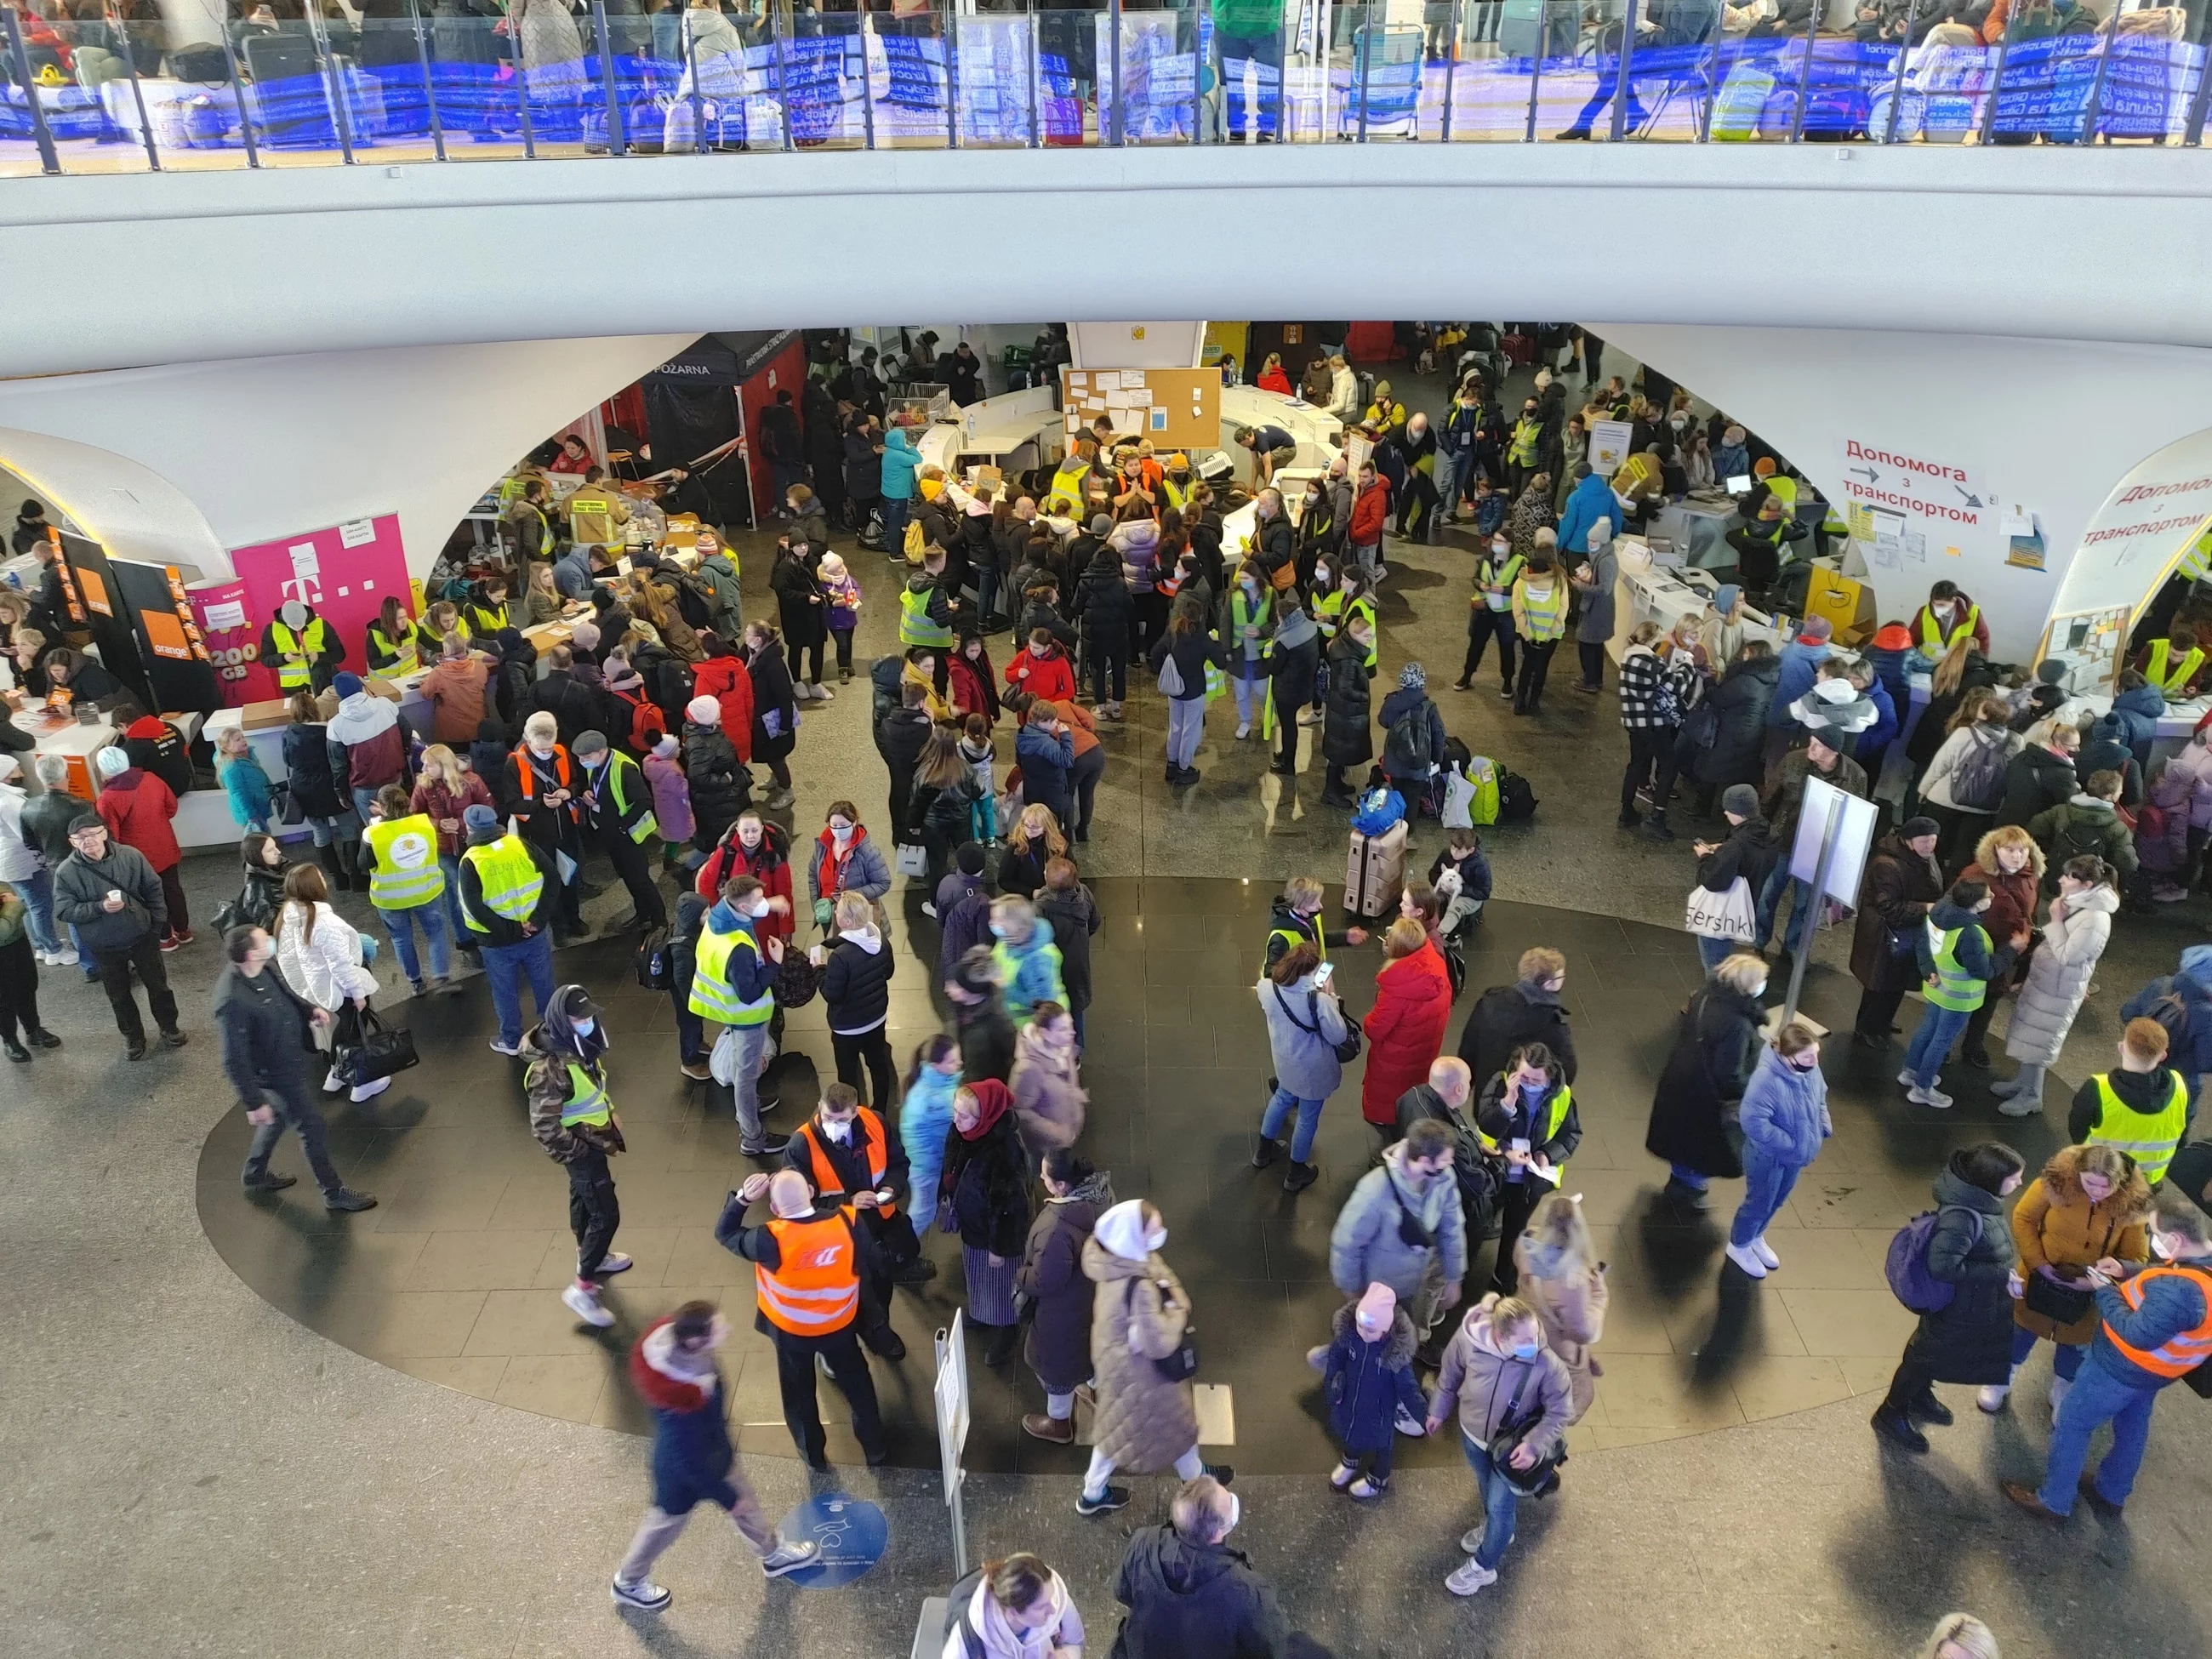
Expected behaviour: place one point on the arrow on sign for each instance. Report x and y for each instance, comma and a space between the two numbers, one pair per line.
1866, 472
1972, 500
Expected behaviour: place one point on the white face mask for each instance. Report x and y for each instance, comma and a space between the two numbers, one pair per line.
838, 1130
1156, 1240
2160, 1248
1759, 989
841, 835
544, 751
758, 909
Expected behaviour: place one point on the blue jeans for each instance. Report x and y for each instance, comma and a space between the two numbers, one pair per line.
1770, 901
986, 590
1766, 1185
1499, 1503
1454, 468
690, 1029
504, 966
1695, 1181
456, 929
894, 512
1939, 1029
1278, 1108
1251, 694
2066, 1363
38, 891
1712, 952
2098, 1397
400, 924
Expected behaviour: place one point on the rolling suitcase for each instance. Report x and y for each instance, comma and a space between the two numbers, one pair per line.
1520, 350
1374, 873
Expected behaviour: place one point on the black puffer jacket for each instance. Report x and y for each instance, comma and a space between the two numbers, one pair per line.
1693, 1111
721, 788
2036, 779
772, 695
856, 984
1972, 1249
1191, 1599
1347, 737
1740, 700
1101, 606
307, 764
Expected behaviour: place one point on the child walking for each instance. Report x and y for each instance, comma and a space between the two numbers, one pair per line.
671, 800
1367, 1377
842, 595
245, 780
976, 750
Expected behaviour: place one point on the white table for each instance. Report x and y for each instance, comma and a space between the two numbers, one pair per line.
1317, 432
1698, 530
75, 741
2172, 730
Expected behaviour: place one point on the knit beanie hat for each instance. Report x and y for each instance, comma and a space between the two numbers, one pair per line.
1816, 630
1412, 677
704, 711
345, 685
1742, 799
482, 825
970, 857
112, 762
667, 746
1377, 1310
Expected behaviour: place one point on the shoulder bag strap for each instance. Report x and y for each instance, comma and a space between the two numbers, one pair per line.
1312, 1030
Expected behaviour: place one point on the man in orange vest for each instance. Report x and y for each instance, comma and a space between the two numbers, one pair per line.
808, 1262
850, 1159
2156, 1326
537, 787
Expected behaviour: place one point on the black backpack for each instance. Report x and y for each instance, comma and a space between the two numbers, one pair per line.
656, 968
1405, 749
693, 602
1517, 800
1978, 781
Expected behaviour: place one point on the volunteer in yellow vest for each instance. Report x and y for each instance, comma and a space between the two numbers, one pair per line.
392, 640
734, 974
528, 528
851, 1158
1948, 617
1958, 960
2142, 1106
439, 620
1490, 614
1177, 482
2175, 665
485, 609
1524, 447
1073, 476
508, 891
925, 611
1526, 1116
616, 802
808, 1264
399, 852
1540, 619
598, 512
302, 649
2154, 1326
1296, 919
573, 1116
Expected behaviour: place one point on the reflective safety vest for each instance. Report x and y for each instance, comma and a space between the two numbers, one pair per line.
1328, 616
1071, 480
1292, 938
510, 877
526, 775
1245, 613
621, 767
296, 675
406, 875
2182, 1351
914, 625
712, 995
1933, 636
1955, 988
588, 1100
592, 516
2158, 673
1494, 581
1547, 616
1561, 1104
826, 1179
486, 618
1178, 495
390, 657
817, 1289
1528, 434
2149, 1138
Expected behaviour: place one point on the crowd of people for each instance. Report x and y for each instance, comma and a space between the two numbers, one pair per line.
630, 752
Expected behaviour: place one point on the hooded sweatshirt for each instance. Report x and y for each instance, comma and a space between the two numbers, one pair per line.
368, 746
690, 1440
856, 981
136, 807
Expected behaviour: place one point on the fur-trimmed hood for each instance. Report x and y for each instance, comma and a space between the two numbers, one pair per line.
1397, 1347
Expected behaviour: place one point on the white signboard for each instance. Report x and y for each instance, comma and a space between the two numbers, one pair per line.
2145, 525
1920, 504
953, 1403
1854, 835
1608, 446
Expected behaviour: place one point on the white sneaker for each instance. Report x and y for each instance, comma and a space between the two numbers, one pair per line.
1744, 1259
368, 1090
1310, 716
510, 1050
1471, 1540
824, 693
1909, 1081
2021, 1106
614, 1262
645, 1596
1243, 730
2060, 1388
790, 1558
1992, 1398
1408, 1424
1764, 1252
2005, 1088
929, 909
1343, 1475
66, 956
1470, 1578
586, 1306
331, 1082
1934, 1097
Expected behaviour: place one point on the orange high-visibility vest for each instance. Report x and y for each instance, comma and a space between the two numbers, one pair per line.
2184, 1350
826, 1178
817, 1290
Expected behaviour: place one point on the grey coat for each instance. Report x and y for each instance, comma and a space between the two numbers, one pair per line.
1595, 627
1302, 1038
1367, 1245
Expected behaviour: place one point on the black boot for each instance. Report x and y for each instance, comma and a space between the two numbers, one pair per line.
1300, 1176
1265, 1153
1001, 1348
1892, 1425
350, 861
340, 880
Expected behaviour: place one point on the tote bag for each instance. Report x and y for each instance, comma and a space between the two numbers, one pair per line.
1730, 916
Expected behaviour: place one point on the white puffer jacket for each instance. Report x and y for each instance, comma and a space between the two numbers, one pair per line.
2058, 977
322, 962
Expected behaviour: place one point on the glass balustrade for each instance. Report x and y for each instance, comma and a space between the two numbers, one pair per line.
143, 85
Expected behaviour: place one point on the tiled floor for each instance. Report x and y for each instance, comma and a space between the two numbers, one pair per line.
454, 1278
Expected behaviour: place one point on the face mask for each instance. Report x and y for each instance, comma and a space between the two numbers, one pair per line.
998, 930
1499, 549
1524, 1350
1805, 1063
1678, 422
2159, 1248
838, 1130
544, 753
841, 835
1248, 584
1156, 1240
1759, 989
757, 909
584, 1028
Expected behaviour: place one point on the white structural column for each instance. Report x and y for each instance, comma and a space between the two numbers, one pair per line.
2051, 426
263, 447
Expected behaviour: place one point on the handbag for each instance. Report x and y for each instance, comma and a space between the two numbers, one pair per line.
1348, 1049
366, 1049
285, 806
2061, 1303
912, 859
1180, 1366
1703, 729
1730, 916
1539, 1476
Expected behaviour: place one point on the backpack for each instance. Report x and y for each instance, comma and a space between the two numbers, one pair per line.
1979, 780
1171, 677
916, 542
648, 724
798, 981
693, 602
1517, 800
656, 967
2068, 844
1906, 1267
1406, 749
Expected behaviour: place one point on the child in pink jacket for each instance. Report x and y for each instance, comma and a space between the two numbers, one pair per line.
671, 799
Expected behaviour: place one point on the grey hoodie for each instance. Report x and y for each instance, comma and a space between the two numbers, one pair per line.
1368, 1244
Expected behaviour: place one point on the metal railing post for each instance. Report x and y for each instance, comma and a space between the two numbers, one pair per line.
1364, 50
698, 103
1451, 64
2090, 116
332, 81
1114, 50
1624, 88
49, 161
430, 88
1996, 85
618, 137
238, 92
1036, 108
952, 74
1536, 63
776, 38
2193, 133
1896, 86
1198, 56
1805, 74
138, 93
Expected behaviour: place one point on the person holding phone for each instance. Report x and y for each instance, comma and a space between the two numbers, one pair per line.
1527, 1117
1500, 1379
1305, 1025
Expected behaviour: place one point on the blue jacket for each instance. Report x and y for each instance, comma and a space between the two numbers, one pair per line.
1044, 760
572, 574
692, 1451
1784, 1111
247, 785
1800, 666
925, 1118
2190, 1054
1879, 736
1587, 502
1397, 707
2138, 711
1368, 1384
901, 461
2170, 1305
751, 971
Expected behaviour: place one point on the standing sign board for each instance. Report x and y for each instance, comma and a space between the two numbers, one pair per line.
953, 1416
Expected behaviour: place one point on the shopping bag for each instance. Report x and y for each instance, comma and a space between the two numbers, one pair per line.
366, 1048
1730, 916
912, 859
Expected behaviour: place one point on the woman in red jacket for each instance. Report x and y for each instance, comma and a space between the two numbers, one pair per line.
2010, 865
1042, 669
1406, 1030
723, 677
1271, 378
974, 687
136, 807
753, 847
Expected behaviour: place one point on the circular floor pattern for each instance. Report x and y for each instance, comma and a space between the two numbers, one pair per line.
454, 1277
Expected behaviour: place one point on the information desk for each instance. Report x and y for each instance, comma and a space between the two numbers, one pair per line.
2174, 728
75, 741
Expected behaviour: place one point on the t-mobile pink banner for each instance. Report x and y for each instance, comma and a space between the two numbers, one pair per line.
234, 640
345, 572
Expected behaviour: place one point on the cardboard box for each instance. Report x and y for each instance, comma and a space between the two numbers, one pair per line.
267, 715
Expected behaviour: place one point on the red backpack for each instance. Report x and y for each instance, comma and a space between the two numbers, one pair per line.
648, 724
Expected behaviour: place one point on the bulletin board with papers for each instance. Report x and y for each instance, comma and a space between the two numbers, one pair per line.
1176, 408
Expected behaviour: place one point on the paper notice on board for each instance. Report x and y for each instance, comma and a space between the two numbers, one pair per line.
230, 614
359, 533
1078, 379
306, 564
